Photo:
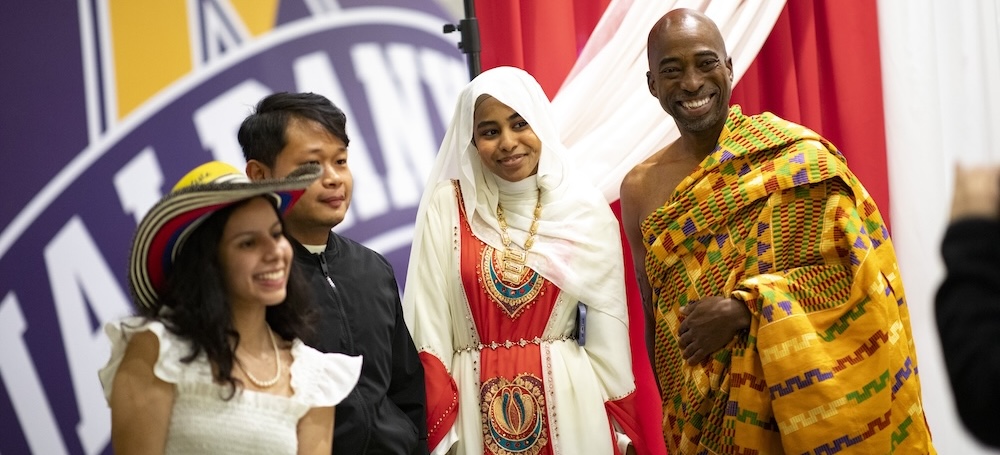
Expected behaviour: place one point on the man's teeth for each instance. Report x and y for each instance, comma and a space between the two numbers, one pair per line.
695, 104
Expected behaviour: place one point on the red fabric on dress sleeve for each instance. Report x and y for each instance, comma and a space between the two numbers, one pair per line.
624, 412
442, 399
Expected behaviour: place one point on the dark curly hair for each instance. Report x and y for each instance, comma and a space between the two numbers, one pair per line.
196, 307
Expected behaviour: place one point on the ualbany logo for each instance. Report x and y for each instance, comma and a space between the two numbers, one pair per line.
166, 85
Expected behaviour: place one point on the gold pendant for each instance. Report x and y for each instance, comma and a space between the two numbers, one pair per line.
515, 255
513, 264
514, 260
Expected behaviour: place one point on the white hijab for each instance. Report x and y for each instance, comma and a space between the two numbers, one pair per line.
578, 244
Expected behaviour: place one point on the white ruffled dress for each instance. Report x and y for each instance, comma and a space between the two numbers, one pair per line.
252, 422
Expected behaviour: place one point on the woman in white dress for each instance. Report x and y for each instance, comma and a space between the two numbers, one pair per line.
515, 293
214, 362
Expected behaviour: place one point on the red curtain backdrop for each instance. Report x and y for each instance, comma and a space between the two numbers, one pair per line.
542, 37
819, 67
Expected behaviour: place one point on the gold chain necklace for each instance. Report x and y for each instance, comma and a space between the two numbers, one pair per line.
513, 260
277, 362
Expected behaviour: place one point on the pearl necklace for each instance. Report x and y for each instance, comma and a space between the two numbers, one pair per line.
277, 361
514, 260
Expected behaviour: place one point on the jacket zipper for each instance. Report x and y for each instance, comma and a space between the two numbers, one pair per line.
365, 408
326, 271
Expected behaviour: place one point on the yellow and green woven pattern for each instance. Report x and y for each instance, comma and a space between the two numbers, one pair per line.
776, 219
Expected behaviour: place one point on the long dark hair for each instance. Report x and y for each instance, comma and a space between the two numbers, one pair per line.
198, 309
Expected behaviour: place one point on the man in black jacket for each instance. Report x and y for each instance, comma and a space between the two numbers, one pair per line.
360, 312
968, 306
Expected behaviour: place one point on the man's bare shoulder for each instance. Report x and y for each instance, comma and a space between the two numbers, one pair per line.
635, 179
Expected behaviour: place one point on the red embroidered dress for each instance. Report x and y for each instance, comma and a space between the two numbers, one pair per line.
509, 319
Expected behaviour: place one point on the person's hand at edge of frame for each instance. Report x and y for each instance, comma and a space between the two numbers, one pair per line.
977, 192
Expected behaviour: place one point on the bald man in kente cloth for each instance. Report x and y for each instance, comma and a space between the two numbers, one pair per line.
775, 308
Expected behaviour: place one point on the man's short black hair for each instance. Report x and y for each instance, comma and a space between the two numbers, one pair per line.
262, 134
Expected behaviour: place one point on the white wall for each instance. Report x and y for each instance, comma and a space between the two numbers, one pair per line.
940, 67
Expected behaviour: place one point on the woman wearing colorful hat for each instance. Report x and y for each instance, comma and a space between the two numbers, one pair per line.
515, 293
214, 362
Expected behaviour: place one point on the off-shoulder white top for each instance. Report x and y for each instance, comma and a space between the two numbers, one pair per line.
252, 422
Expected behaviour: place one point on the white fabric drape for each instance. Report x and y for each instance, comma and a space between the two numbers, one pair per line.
606, 89
940, 69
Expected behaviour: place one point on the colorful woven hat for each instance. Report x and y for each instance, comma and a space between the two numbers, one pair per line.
204, 190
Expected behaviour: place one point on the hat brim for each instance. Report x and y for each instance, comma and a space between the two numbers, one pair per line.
162, 232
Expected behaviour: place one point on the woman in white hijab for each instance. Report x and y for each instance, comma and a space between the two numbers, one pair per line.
515, 294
